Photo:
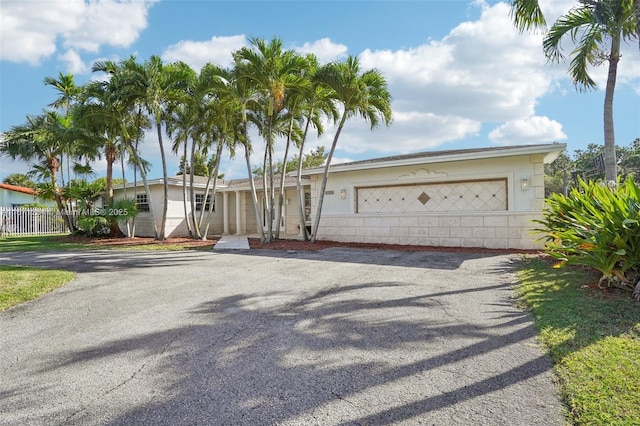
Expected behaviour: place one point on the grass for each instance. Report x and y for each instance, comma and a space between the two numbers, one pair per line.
593, 338
19, 284
38, 243
63, 242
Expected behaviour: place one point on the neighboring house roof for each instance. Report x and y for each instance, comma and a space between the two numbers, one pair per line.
22, 189
551, 152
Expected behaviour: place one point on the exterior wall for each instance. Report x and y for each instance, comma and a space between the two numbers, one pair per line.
176, 225
510, 228
497, 230
10, 198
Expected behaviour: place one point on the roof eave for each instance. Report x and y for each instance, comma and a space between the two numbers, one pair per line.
551, 151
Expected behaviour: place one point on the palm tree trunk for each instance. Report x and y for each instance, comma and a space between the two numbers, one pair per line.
165, 184
282, 178
610, 163
53, 165
299, 189
111, 157
184, 188
147, 190
254, 196
214, 172
124, 189
316, 224
265, 193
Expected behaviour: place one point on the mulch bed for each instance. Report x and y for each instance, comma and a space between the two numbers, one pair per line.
281, 244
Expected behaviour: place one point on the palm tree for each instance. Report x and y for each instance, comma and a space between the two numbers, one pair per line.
363, 94
68, 93
317, 103
42, 140
237, 95
591, 26
155, 86
122, 109
275, 73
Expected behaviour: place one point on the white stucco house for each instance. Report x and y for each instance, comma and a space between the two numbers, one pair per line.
484, 197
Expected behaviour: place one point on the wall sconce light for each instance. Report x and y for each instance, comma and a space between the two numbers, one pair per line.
343, 194
287, 201
524, 183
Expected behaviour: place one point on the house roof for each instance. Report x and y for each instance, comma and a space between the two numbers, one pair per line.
15, 188
551, 152
198, 181
243, 184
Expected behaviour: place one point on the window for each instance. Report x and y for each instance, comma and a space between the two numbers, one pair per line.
200, 199
142, 203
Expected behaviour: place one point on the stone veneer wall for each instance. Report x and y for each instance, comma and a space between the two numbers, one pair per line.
496, 230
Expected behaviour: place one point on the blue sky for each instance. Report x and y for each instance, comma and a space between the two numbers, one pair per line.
460, 75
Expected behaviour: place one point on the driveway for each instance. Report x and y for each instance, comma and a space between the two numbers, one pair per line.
255, 337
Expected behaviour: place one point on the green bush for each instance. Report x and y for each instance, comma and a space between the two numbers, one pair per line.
596, 226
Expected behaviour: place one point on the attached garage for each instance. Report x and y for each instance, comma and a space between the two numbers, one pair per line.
459, 198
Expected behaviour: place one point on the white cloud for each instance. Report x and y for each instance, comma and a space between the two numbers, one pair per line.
75, 65
324, 49
534, 129
218, 51
483, 70
30, 29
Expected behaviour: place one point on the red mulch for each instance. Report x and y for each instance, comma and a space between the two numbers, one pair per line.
281, 244
138, 241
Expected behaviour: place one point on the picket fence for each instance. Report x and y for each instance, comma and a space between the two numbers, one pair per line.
31, 221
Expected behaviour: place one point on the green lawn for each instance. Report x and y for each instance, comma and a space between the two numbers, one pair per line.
38, 243
19, 284
593, 338
63, 242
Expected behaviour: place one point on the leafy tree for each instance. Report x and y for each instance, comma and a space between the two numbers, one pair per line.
19, 179
359, 93
315, 158
200, 165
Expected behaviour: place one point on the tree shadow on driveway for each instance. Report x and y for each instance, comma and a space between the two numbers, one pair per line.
376, 352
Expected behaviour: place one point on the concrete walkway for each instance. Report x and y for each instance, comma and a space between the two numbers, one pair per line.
232, 242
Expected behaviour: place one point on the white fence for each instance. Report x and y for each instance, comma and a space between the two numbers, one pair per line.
31, 221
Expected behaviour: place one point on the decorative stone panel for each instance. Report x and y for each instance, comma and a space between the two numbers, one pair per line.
482, 195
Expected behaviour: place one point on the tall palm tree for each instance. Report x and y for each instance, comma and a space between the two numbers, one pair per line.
156, 86
274, 72
238, 95
42, 140
359, 93
317, 102
124, 112
591, 26
68, 93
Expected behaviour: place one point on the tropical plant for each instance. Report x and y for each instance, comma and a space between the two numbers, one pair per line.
43, 140
274, 73
597, 226
19, 179
359, 93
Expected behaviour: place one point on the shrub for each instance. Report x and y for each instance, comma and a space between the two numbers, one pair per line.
599, 227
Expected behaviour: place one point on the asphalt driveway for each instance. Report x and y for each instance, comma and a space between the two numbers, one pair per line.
336, 337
